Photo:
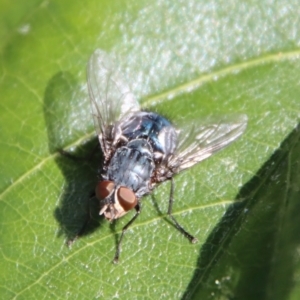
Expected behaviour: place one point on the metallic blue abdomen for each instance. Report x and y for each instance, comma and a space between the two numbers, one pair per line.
152, 127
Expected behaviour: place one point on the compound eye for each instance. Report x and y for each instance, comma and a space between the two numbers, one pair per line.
104, 189
127, 198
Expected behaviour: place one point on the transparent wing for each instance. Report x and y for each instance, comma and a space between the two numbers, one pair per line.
197, 142
110, 95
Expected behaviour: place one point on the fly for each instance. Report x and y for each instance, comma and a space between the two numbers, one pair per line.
142, 149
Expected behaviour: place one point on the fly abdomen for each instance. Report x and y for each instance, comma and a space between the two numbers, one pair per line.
156, 129
132, 166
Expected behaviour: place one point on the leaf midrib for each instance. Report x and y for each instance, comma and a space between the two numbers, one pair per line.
164, 96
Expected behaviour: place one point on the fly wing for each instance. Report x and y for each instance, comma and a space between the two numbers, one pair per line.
197, 142
110, 95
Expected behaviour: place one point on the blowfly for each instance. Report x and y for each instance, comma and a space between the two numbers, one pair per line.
142, 149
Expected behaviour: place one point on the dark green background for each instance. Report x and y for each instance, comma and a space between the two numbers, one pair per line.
184, 59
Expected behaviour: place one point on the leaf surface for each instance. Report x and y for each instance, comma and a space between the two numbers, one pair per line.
183, 60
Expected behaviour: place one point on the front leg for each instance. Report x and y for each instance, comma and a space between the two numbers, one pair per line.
117, 254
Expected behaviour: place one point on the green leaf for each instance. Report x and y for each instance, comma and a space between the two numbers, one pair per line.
183, 60
250, 254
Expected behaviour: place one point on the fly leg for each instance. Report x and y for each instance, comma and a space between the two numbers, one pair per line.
191, 238
117, 254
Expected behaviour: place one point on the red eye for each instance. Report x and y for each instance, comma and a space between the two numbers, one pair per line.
104, 189
127, 198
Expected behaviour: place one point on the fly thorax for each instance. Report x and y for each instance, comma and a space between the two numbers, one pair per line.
132, 165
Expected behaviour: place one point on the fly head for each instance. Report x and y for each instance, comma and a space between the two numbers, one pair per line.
116, 201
